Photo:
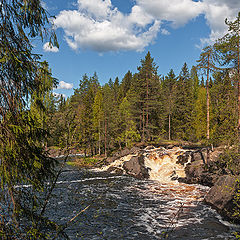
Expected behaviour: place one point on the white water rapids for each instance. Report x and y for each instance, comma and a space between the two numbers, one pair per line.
124, 208
183, 204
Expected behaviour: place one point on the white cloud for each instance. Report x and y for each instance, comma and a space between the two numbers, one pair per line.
139, 17
97, 8
47, 47
64, 85
165, 31
98, 25
179, 12
216, 11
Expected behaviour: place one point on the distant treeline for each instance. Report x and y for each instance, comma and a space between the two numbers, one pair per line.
146, 106
197, 105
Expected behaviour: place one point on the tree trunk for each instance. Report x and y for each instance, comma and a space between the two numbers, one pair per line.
208, 114
238, 75
169, 127
143, 127
147, 108
99, 138
105, 148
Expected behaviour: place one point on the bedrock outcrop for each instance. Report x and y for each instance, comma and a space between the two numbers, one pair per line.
223, 196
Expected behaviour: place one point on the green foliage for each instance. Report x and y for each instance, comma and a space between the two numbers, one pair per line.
24, 81
184, 106
230, 160
200, 115
224, 114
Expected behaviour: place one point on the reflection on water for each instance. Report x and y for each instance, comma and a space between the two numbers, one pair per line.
125, 208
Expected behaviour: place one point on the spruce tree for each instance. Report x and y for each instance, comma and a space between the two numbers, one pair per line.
98, 117
183, 112
144, 90
169, 91
224, 109
23, 157
125, 85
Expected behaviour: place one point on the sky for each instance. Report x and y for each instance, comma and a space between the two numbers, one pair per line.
110, 37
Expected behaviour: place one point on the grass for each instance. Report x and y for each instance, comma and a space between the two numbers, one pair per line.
85, 162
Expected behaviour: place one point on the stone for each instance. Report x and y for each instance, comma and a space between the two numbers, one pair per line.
118, 155
135, 167
135, 150
110, 160
150, 147
221, 197
184, 158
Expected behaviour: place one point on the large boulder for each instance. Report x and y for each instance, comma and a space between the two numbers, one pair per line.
118, 155
135, 167
222, 196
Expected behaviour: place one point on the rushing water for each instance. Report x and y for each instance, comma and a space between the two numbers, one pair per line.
121, 207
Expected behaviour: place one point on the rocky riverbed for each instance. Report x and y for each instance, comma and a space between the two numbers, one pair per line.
191, 166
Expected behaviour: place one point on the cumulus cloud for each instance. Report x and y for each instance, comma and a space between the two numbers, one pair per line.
98, 25
44, 5
64, 85
47, 47
179, 12
216, 11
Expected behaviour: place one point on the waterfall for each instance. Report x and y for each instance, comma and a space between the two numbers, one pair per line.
163, 164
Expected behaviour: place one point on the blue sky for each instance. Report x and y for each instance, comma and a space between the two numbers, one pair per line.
112, 36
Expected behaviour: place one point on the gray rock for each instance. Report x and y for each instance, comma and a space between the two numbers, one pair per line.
135, 167
183, 158
221, 197
118, 155
111, 159
135, 150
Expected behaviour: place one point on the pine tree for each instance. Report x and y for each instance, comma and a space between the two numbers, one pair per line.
229, 49
169, 91
207, 63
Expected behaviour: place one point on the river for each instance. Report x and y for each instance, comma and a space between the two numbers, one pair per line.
122, 207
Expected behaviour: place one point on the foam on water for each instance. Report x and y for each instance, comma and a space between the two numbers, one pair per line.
182, 204
163, 164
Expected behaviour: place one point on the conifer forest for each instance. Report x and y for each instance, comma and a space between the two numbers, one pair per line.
200, 105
